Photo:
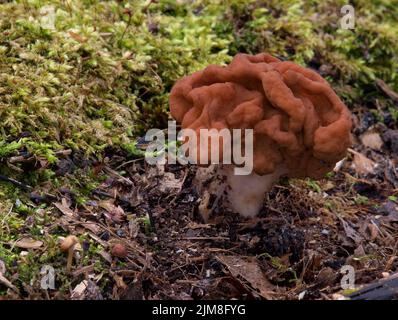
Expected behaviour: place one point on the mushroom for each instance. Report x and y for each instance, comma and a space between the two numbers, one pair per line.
300, 126
68, 245
119, 250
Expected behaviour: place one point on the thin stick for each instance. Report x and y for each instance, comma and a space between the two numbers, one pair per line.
15, 182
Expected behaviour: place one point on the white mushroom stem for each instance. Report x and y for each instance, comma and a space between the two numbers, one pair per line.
70, 258
243, 193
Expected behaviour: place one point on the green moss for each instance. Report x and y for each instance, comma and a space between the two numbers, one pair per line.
95, 79
9, 148
309, 33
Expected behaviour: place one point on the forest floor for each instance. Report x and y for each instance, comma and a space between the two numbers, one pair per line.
306, 232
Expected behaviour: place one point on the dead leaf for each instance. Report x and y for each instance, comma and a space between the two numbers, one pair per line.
78, 291
93, 227
119, 281
373, 230
64, 207
28, 243
359, 251
134, 228
169, 182
389, 210
77, 37
249, 270
86, 290
363, 165
326, 277
328, 186
350, 231
114, 213
372, 139
106, 256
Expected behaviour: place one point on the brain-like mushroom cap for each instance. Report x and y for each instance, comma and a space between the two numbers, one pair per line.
297, 118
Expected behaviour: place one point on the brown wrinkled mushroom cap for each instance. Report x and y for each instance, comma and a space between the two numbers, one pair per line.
68, 243
297, 118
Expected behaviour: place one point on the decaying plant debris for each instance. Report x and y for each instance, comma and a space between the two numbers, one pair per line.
75, 100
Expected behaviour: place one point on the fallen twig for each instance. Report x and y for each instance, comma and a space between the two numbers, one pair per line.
387, 90
15, 182
8, 284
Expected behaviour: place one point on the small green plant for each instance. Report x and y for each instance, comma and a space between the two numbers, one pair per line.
314, 185
133, 150
393, 198
378, 115
146, 223
361, 200
394, 113
330, 205
329, 175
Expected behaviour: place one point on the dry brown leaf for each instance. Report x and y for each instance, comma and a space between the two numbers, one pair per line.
362, 164
93, 227
114, 213
170, 182
64, 207
28, 243
134, 228
326, 277
350, 231
249, 270
106, 256
373, 230
328, 186
77, 37
78, 291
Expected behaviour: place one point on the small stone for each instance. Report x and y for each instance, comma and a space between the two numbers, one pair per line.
301, 295
325, 232
372, 139
120, 233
